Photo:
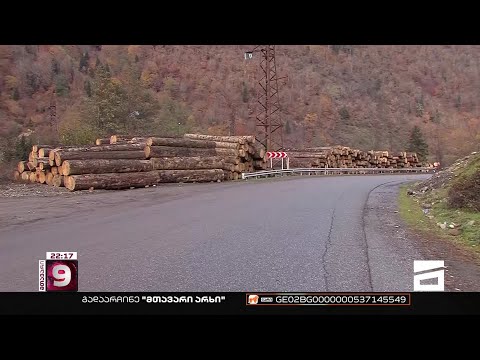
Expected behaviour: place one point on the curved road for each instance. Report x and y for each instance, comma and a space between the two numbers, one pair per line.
302, 234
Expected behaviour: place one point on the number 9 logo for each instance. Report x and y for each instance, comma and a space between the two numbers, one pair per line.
62, 275
61, 279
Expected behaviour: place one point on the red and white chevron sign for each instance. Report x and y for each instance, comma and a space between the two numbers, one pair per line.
276, 155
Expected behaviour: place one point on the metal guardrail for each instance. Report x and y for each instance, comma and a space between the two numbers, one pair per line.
334, 171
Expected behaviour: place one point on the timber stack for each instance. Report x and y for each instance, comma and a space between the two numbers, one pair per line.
122, 162
345, 157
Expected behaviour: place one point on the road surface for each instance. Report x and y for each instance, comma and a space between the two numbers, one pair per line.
302, 234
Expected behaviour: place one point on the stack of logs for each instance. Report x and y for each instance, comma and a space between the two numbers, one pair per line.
121, 162
345, 157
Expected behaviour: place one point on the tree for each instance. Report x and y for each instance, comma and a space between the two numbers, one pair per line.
420, 106
83, 66
245, 96
88, 88
418, 144
16, 94
22, 148
344, 114
61, 86
107, 107
288, 129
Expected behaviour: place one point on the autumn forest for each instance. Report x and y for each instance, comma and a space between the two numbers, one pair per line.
366, 97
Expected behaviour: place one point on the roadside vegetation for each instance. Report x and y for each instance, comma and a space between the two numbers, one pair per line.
448, 204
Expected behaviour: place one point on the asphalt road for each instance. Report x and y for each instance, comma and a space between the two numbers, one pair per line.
303, 234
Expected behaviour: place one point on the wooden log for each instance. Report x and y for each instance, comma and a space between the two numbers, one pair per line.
32, 177
61, 156
234, 139
58, 180
231, 159
180, 142
16, 175
42, 177
189, 163
102, 148
25, 176
44, 165
54, 170
127, 180
102, 141
22, 166
236, 176
35, 148
171, 151
49, 178
193, 143
293, 154
114, 139
30, 166
44, 151
259, 153
38, 161
102, 166
32, 156
60, 170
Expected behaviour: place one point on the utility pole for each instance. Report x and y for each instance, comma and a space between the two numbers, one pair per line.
268, 123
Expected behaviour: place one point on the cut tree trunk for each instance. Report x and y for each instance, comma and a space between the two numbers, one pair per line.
102, 148
42, 177
58, 180
127, 180
307, 155
22, 166
54, 170
30, 166
16, 175
36, 147
49, 179
25, 176
44, 165
32, 176
38, 161
61, 156
103, 141
102, 166
170, 151
188, 163
32, 156
60, 170
111, 181
180, 142
231, 160
43, 152
234, 139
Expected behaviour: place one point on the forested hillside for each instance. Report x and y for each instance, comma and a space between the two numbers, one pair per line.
366, 97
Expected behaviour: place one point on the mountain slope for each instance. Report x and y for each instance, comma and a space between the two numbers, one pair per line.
367, 97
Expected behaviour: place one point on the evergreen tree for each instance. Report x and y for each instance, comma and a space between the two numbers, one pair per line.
88, 88
245, 93
288, 129
418, 144
16, 94
83, 66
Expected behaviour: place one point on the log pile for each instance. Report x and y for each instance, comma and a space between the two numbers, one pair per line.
345, 157
122, 162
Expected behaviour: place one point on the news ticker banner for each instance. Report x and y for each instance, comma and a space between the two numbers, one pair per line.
58, 272
237, 303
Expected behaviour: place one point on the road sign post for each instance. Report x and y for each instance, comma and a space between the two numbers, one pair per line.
278, 155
